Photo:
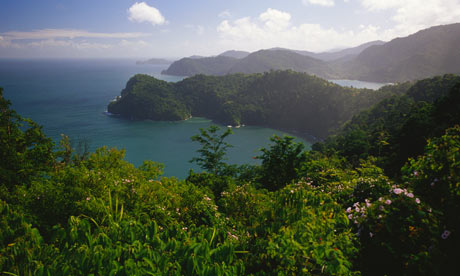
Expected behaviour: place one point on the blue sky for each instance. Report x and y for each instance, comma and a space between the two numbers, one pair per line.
173, 28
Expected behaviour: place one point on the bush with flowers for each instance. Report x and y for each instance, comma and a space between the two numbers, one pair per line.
435, 177
397, 234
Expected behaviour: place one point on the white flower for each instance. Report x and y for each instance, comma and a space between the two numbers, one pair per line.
417, 200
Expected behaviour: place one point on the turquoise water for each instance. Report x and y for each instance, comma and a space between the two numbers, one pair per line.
71, 96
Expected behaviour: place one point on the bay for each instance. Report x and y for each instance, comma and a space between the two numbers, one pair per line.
71, 97
360, 84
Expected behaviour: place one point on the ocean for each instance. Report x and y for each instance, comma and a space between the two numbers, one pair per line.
70, 97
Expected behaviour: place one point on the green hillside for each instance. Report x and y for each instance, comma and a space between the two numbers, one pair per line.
279, 99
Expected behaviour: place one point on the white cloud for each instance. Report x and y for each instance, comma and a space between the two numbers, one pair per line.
53, 43
412, 15
141, 12
325, 3
275, 19
70, 39
225, 14
273, 28
66, 33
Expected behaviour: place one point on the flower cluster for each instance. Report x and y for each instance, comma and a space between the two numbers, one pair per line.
358, 211
398, 191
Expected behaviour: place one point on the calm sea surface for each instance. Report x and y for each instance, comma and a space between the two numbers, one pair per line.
71, 96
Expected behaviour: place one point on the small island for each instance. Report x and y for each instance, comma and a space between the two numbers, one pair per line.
154, 61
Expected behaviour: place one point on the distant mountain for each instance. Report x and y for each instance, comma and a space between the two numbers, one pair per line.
219, 65
154, 61
235, 54
266, 60
429, 52
346, 53
258, 62
196, 57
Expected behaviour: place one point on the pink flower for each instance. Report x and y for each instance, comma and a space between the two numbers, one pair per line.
350, 216
88, 198
349, 210
417, 200
445, 235
397, 191
411, 195
387, 202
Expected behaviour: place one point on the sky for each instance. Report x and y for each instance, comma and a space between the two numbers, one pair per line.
173, 28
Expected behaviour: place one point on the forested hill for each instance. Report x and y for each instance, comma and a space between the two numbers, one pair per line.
427, 53
279, 99
257, 62
397, 128
266, 60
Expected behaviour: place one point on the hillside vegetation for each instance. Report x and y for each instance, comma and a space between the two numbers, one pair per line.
330, 211
427, 53
278, 99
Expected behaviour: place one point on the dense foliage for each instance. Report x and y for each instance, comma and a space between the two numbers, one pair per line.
397, 128
279, 99
330, 211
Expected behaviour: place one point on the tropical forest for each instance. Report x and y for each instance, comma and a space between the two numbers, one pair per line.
230, 138
378, 197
